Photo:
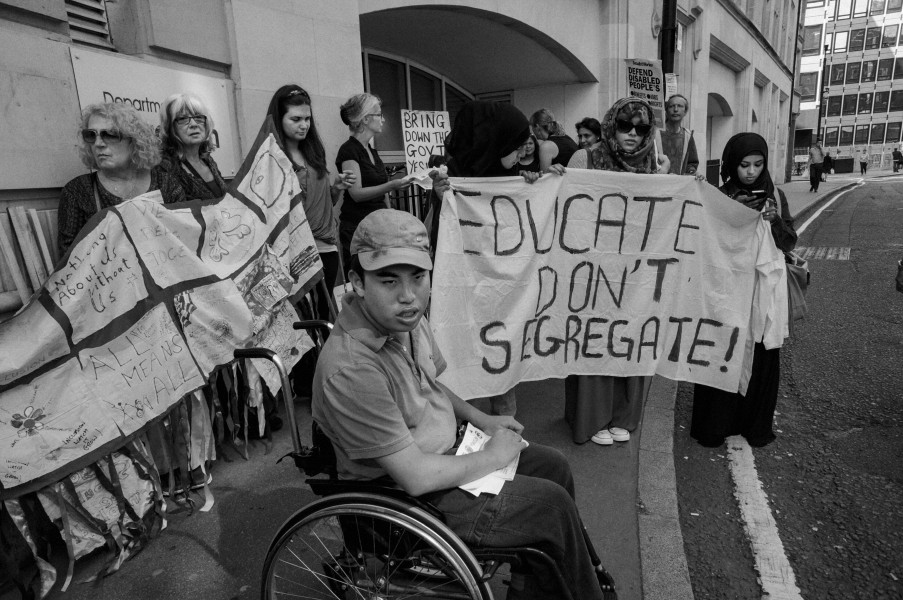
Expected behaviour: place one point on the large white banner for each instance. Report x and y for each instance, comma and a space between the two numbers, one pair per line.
107, 77
594, 273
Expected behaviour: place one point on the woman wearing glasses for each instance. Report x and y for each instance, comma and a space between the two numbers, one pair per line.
598, 407
187, 127
362, 113
125, 153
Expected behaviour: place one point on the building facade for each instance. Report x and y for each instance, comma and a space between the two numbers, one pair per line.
850, 74
735, 62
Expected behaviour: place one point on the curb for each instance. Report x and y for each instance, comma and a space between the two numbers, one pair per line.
663, 562
820, 200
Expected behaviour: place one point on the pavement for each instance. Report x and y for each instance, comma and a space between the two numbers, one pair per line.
662, 562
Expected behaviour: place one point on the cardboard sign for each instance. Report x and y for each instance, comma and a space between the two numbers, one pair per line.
424, 136
597, 273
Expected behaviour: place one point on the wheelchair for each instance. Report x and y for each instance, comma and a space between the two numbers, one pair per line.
372, 541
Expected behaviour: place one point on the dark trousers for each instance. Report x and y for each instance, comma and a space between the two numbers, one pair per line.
346, 232
815, 170
896, 166
863, 167
535, 509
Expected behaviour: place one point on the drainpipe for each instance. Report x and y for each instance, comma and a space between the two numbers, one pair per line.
668, 36
791, 126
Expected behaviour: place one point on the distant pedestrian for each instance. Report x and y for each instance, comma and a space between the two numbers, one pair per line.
677, 140
898, 159
828, 167
863, 160
816, 164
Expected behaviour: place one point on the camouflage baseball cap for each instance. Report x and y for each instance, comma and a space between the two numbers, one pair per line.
391, 237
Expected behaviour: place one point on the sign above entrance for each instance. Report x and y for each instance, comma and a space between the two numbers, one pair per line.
106, 77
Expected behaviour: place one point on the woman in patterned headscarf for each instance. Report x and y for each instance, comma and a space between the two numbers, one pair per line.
601, 408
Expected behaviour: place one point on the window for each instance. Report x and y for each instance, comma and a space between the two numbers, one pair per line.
872, 38
898, 67
862, 134
426, 91
808, 86
829, 42
896, 100
88, 22
844, 8
860, 8
834, 106
877, 7
402, 85
812, 40
865, 103
815, 3
894, 6
857, 40
853, 71
840, 41
849, 104
889, 40
830, 136
837, 73
885, 69
869, 70
846, 135
893, 133
881, 100
877, 134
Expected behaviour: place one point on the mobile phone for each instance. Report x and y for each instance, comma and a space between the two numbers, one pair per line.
758, 193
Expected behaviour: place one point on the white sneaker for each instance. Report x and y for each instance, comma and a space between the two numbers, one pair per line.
603, 438
618, 434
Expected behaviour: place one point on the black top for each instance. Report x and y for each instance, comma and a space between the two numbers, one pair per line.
372, 174
77, 203
566, 149
191, 181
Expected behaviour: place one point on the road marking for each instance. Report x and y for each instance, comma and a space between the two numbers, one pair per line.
823, 252
775, 573
802, 228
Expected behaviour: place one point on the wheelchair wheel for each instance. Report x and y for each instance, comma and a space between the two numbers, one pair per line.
369, 547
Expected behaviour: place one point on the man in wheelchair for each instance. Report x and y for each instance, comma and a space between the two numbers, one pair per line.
376, 396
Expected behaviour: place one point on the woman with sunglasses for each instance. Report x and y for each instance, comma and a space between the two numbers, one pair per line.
296, 131
363, 115
601, 408
187, 127
124, 152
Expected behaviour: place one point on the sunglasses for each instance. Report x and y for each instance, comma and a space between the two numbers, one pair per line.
628, 126
108, 136
183, 121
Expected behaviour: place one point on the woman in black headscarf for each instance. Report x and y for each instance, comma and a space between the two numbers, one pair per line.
485, 142
716, 413
603, 408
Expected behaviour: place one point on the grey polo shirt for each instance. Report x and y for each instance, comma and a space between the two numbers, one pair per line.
372, 397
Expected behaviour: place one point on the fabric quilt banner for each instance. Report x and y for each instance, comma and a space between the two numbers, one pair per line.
596, 273
150, 299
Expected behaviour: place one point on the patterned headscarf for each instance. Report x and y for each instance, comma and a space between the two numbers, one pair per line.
609, 156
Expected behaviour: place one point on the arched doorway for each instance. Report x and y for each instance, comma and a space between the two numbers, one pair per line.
718, 132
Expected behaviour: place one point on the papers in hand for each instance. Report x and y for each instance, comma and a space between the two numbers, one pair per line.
422, 178
474, 440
